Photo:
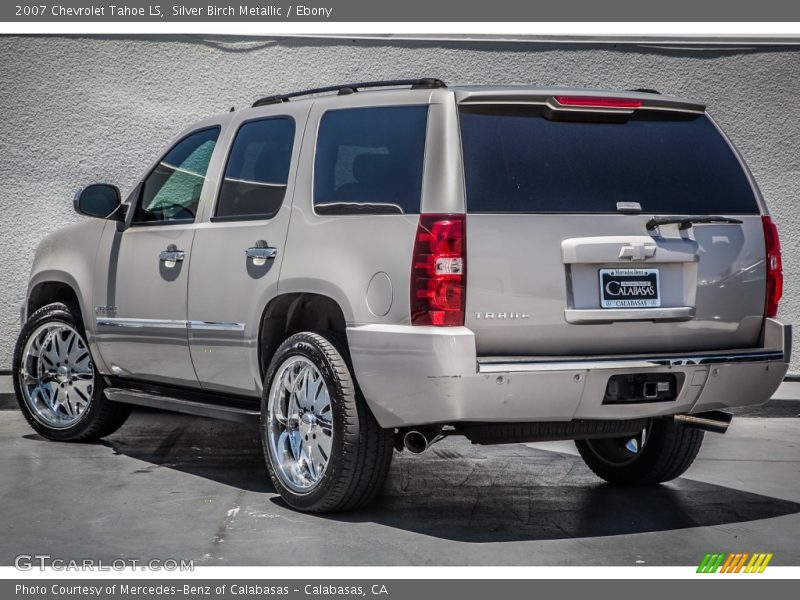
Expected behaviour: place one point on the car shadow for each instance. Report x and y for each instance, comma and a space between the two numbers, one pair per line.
498, 514
224, 452
481, 494
455, 490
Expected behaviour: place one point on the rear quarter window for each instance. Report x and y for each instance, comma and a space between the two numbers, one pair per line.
370, 160
519, 162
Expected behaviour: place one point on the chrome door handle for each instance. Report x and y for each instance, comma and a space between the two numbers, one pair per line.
259, 253
171, 254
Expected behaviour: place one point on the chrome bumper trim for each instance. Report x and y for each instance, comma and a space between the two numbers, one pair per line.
611, 315
523, 366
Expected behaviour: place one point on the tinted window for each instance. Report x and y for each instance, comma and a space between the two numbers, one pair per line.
172, 191
370, 160
258, 169
525, 163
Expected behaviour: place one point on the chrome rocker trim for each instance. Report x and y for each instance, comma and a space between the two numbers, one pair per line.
171, 324
141, 323
214, 326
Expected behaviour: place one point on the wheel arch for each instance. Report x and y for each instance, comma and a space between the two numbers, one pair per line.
292, 313
54, 286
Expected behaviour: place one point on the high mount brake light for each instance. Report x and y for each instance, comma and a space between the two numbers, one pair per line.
774, 268
438, 271
598, 102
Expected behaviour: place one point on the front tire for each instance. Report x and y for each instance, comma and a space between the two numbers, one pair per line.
659, 453
57, 387
324, 450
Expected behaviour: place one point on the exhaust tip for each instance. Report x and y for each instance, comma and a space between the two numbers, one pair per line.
415, 442
714, 421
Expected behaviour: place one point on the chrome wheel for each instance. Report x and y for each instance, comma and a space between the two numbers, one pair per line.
619, 451
299, 424
56, 375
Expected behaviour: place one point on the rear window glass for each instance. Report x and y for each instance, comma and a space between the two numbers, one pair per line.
520, 162
370, 160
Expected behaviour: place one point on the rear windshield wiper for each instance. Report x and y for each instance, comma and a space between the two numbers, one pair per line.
686, 221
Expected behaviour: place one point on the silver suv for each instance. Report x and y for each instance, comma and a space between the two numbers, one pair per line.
365, 270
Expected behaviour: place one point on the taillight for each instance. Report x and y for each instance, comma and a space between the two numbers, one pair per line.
774, 268
598, 102
438, 271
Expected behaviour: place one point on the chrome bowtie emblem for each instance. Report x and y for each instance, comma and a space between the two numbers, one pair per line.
637, 251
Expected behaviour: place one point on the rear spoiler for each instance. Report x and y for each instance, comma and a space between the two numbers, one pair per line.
571, 100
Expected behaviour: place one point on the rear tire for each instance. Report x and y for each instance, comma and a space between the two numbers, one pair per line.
56, 384
324, 450
664, 451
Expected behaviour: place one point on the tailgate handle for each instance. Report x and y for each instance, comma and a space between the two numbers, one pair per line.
628, 248
686, 221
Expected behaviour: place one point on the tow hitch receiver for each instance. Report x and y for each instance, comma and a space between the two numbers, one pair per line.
642, 387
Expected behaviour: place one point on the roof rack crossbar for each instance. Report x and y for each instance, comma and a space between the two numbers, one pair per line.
424, 83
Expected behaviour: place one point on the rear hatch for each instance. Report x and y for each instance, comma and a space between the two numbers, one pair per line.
571, 250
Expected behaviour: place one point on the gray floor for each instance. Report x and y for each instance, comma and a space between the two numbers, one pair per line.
170, 486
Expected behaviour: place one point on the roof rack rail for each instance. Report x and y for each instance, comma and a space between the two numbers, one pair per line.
349, 88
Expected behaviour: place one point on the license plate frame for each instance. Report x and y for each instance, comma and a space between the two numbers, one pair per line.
635, 288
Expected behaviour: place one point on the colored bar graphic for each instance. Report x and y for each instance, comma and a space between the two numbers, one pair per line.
720, 558
728, 565
703, 563
734, 562
741, 562
752, 562
765, 563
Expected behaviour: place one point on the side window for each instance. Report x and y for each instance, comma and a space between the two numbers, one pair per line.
258, 169
370, 160
172, 191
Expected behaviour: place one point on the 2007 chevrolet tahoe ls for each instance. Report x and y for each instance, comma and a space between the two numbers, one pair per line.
374, 266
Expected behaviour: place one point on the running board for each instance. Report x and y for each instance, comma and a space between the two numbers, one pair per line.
188, 407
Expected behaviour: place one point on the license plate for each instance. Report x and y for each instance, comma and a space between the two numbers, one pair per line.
629, 288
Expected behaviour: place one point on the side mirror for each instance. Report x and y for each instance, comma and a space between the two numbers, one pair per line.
100, 200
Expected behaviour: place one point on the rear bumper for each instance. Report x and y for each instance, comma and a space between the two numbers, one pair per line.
422, 375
